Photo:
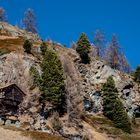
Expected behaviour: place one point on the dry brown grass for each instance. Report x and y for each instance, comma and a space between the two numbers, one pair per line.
14, 44
40, 136
6, 134
13, 133
103, 125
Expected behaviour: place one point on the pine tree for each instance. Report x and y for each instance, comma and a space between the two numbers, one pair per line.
83, 48
43, 48
2, 14
52, 85
27, 46
30, 21
113, 107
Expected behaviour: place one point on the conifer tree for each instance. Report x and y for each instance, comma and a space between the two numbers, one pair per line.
27, 46
113, 107
52, 85
83, 48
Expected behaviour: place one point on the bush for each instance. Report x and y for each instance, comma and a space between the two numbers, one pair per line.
43, 48
4, 51
36, 76
136, 74
83, 48
27, 46
56, 123
113, 107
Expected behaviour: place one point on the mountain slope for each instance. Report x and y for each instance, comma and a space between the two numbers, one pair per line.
83, 84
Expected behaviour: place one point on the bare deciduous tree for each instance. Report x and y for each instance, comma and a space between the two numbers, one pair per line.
115, 57
74, 99
112, 53
99, 40
73, 45
124, 64
30, 21
2, 14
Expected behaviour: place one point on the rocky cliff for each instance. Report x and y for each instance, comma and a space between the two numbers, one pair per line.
83, 82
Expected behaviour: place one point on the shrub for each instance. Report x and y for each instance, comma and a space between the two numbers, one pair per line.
43, 48
4, 51
27, 46
56, 123
36, 76
113, 107
136, 75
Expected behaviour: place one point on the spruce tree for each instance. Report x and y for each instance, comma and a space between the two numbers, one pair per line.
27, 46
83, 48
113, 107
52, 85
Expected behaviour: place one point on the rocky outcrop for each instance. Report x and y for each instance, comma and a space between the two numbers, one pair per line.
93, 77
14, 32
15, 69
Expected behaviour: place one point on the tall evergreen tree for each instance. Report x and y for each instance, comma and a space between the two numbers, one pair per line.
113, 107
2, 14
30, 21
52, 85
83, 48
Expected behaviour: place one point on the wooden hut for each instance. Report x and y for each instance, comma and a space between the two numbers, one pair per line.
10, 98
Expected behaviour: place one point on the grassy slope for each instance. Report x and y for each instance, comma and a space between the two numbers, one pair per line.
12, 133
103, 125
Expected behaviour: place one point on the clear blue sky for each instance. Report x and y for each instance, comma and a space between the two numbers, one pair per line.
64, 20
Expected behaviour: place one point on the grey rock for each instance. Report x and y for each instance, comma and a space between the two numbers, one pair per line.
8, 122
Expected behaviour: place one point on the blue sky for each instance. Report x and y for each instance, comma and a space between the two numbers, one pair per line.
64, 20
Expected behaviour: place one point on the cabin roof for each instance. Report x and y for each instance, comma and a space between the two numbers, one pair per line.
13, 86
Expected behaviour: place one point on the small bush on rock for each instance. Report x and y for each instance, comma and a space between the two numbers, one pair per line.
27, 46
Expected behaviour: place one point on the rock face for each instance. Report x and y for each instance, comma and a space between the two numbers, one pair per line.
13, 31
84, 86
15, 69
93, 77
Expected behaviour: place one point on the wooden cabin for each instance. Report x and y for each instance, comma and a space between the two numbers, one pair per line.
10, 98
